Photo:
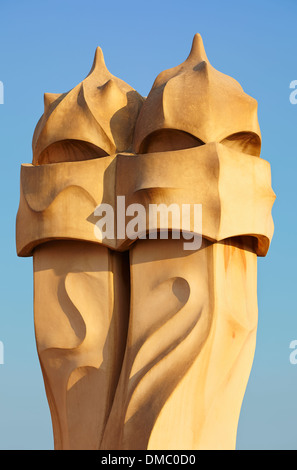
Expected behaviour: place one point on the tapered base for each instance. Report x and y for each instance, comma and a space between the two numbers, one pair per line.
150, 349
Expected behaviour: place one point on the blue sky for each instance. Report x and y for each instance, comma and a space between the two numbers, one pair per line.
49, 46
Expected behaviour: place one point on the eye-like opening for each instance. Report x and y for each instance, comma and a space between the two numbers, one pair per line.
70, 150
165, 140
245, 142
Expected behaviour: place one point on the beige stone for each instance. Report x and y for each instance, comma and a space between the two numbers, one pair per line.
143, 344
81, 303
188, 359
235, 193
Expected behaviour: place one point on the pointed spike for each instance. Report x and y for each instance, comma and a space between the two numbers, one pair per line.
197, 53
111, 89
49, 98
98, 62
203, 67
109, 85
99, 57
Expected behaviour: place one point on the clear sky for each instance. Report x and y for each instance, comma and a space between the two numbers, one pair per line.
48, 46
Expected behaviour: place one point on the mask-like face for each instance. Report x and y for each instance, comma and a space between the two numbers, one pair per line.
140, 334
196, 138
95, 119
194, 104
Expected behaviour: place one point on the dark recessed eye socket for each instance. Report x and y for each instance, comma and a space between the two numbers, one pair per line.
166, 140
245, 142
70, 151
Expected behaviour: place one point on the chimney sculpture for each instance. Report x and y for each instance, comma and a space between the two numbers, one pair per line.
144, 344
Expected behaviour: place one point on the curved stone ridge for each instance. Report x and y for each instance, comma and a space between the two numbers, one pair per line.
94, 119
65, 208
143, 343
198, 100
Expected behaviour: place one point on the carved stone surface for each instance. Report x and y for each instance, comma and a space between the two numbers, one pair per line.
143, 344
